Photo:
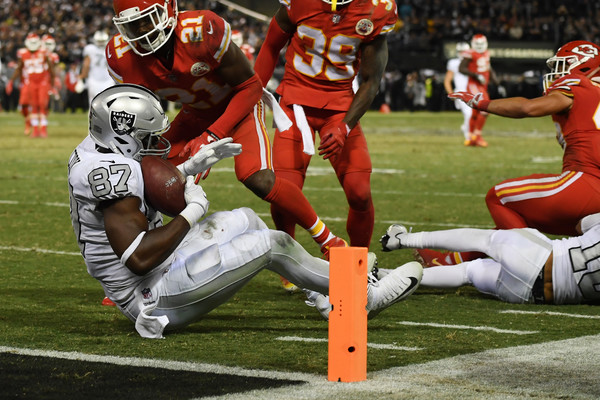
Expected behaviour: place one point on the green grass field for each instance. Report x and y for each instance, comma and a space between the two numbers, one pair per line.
423, 177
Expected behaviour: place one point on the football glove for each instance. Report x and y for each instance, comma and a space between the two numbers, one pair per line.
333, 140
475, 101
197, 203
193, 146
209, 155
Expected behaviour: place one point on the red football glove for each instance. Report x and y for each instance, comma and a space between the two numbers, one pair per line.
333, 140
475, 101
194, 146
9, 88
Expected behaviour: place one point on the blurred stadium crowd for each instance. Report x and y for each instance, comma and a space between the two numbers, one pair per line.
424, 27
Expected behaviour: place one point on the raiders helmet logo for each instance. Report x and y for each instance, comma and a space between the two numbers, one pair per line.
199, 68
121, 122
364, 27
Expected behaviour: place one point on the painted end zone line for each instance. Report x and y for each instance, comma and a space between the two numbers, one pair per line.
369, 345
560, 314
475, 328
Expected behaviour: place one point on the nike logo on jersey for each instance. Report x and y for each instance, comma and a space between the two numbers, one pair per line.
210, 28
109, 54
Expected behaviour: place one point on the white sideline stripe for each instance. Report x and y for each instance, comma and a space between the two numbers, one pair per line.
165, 364
369, 345
38, 250
554, 313
467, 327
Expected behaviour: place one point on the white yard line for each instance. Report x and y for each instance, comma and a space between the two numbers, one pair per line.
554, 313
378, 346
467, 327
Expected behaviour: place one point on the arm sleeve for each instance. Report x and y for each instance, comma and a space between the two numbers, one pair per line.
247, 94
268, 55
589, 221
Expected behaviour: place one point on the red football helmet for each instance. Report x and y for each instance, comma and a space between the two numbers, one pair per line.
479, 43
33, 42
49, 42
578, 56
145, 24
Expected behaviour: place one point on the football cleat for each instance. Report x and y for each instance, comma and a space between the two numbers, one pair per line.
478, 141
333, 242
108, 302
287, 285
395, 286
391, 240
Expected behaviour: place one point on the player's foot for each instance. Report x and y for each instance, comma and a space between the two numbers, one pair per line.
108, 302
36, 131
27, 131
477, 140
395, 286
321, 301
435, 258
43, 132
333, 242
391, 240
287, 285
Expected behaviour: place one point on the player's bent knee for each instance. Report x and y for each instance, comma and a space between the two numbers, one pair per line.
254, 221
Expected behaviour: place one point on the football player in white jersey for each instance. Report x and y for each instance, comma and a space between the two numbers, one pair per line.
524, 265
168, 276
94, 71
455, 78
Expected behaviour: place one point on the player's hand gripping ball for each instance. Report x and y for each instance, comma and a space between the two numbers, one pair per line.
163, 185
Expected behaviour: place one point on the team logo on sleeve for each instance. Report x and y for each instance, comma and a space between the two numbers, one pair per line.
121, 122
199, 68
364, 27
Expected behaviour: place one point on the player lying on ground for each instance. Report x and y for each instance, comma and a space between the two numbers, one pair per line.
525, 266
168, 276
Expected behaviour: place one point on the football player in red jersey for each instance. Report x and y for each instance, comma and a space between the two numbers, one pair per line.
32, 70
54, 86
476, 65
328, 43
188, 57
553, 203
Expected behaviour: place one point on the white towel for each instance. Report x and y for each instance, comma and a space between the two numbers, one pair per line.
148, 326
302, 124
280, 119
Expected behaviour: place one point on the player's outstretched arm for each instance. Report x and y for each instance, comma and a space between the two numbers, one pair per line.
279, 33
209, 155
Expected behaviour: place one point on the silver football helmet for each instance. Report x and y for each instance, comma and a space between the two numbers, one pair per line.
129, 119
100, 39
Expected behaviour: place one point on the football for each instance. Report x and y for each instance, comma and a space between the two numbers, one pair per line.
163, 185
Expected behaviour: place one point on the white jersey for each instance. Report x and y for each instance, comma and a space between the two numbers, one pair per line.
460, 80
98, 78
576, 268
95, 177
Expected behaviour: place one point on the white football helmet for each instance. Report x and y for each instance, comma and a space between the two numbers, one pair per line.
33, 42
479, 43
129, 119
100, 39
335, 3
146, 25
49, 42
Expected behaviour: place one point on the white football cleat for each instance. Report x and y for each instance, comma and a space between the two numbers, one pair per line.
395, 286
391, 240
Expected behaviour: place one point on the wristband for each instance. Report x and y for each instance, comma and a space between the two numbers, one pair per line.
132, 247
192, 213
483, 105
212, 134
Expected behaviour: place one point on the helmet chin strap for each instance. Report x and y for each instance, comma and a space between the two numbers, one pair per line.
333, 5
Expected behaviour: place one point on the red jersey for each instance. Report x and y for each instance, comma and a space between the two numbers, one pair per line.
323, 56
201, 38
34, 65
580, 126
479, 63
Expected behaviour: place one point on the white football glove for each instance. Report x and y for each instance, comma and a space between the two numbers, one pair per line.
209, 155
197, 203
79, 86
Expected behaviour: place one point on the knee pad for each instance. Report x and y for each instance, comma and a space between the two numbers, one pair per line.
255, 223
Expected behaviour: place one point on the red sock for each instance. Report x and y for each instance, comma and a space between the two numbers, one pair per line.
290, 204
360, 226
